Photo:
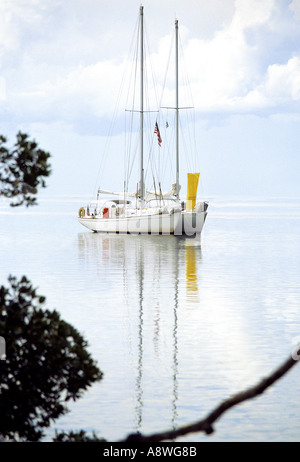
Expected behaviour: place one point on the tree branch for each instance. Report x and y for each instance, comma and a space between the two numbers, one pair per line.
205, 425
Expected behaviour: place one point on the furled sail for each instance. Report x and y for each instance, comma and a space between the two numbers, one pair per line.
112, 193
150, 195
192, 186
160, 195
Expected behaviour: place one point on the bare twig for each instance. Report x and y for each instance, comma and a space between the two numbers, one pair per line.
205, 425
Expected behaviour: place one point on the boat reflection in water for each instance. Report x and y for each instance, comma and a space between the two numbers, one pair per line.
145, 284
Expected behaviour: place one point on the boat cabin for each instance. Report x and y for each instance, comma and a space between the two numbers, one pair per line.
106, 208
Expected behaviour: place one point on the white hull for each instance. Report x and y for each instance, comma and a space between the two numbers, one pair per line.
142, 224
191, 224
183, 223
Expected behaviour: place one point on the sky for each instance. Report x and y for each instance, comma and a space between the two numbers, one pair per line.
61, 67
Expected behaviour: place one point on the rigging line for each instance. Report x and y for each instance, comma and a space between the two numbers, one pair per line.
161, 153
168, 159
150, 157
151, 66
129, 134
154, 167
185, 74
133, 78
190, 115
183, 139
132, 153
151, 138
149, 119
167, 69
149, 95
128, 140
156, 163
151, 162
147, 116
113, 120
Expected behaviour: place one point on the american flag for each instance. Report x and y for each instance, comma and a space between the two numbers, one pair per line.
156, 130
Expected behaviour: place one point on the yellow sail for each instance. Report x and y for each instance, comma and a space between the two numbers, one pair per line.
192, 186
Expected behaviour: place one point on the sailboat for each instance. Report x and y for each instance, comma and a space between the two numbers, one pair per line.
143, 211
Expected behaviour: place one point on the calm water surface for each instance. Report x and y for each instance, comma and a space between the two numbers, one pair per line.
175, 326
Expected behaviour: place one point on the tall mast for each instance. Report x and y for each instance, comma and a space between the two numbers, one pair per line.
177, 109
142, 103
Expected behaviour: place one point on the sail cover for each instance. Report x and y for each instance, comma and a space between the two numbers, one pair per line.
150, 195
192, 186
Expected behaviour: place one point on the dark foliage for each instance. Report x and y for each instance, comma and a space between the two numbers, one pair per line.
47, 363
22, 170
77, 437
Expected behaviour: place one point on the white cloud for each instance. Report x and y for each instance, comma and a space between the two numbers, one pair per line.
283, 81
2, 89
295, 7
56, 66
92, 85
232, 71
61, 64
279, 90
